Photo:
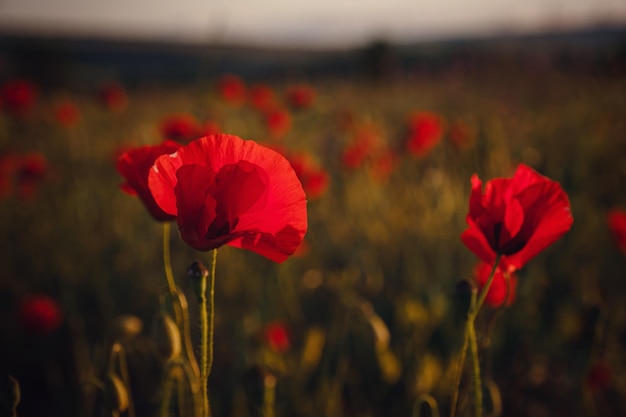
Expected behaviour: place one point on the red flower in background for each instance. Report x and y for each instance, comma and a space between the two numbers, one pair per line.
32, 169
180, 127
227, 191
277, 337
66, 113
425, 132
383, 165
262, 97
113, 96
616, 220
516, 217
278, 122
461, 134
9, 164
231, 88
134, 165
497, 294
366, 138
313, 178
18, 96
39, 314
301, 96
599, 376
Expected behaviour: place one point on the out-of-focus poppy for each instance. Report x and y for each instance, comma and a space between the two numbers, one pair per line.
134, 165
277, 337
278, 122
39, 314
227, 191
516, 217
462, 134
425, 132
262, 97
18, 96
314, 179
180, 127
66, 113
32, 169
113, 96
616, 220
301, 96
231, 89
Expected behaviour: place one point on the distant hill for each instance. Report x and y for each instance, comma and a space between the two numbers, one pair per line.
54, 61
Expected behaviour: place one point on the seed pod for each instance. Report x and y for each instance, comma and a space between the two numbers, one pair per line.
115, 393
166, 337
126, 326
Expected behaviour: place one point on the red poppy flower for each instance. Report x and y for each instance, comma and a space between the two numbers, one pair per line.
225, 190
113, 96
516, 217
383, 165
277, 337
278, 122
209, 128
180, 127
313, 178
497, 293
301, 96
134, 165
40, 314
366, 138
232, 89
32, 169
262, 97
66, 114
18, 96
9, 164
617, 224
425, 132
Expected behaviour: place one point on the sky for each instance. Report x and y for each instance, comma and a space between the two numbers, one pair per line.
301, 22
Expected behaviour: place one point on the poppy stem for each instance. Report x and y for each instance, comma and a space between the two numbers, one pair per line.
478, 388
167, 262
207, 320
483, 293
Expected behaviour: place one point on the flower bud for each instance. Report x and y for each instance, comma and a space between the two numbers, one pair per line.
197, 274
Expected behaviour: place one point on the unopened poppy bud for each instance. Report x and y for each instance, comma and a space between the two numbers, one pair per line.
9, 395
116, 394
197, 274
166, 337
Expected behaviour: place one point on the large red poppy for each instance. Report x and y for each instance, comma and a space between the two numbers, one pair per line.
516, 217
225, 190
134, 165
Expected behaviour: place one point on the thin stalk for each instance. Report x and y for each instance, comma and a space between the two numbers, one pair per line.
167, 263
483, 293
207, 323
459, 371
478, 388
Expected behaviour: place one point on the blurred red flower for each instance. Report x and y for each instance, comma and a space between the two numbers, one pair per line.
497, 294
232, 89
113, 96
314, 179
39, 314
277, 337
516, 217
262, 97
32, 169
180, 127
616, 220
301, 96
227, 191
18, 96
365, 139
66, 113
134, 165
383, 165
278, 122
425, 132
209, 127
461, 134
9, 164
599, 376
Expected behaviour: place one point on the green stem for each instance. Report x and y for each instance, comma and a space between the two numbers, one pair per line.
167, 263
478, 389
207, 322
459, 371
483, 293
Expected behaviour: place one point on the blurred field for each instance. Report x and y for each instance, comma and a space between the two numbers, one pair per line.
369, 307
